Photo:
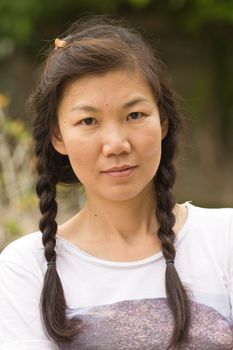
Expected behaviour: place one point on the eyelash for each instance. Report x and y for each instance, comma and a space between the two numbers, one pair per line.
90, 118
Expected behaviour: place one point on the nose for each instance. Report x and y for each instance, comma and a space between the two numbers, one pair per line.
115, 142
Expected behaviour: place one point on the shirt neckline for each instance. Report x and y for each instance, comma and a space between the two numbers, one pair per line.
75, 250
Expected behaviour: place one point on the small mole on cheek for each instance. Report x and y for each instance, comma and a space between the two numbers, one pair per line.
95, 215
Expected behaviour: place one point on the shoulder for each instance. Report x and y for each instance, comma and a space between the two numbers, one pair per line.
207, 240
22, 275
29, 242
26, 252
211, 224
212, 216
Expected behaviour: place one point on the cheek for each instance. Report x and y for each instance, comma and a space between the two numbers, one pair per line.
150, 143
82, 156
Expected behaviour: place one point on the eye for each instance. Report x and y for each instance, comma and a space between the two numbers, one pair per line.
88, 121
135, 115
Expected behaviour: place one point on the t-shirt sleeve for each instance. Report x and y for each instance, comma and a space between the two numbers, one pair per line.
20, 322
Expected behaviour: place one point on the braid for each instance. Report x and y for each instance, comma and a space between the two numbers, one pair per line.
177, 296
53, 304
46, 191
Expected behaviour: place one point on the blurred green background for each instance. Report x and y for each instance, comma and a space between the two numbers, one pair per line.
194, 39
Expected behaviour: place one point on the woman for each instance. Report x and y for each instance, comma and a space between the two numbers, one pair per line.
133, 269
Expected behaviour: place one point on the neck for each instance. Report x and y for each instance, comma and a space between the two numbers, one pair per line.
127, 220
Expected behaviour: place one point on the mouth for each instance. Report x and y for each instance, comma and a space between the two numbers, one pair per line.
119, 168
122, 171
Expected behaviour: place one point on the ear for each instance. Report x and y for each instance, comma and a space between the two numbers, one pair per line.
57, 142
164, 127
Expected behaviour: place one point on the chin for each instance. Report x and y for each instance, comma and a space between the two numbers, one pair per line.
121, 195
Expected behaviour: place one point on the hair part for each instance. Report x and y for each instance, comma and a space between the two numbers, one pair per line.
97, 46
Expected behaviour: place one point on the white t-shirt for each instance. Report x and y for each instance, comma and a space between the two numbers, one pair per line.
123, 304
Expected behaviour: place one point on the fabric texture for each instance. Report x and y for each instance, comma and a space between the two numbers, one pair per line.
122, 305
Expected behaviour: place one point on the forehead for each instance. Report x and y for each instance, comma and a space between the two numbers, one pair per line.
111, 87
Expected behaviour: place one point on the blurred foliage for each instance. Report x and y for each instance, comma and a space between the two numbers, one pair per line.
12, 228
25, 23
16, 183
4, 101
15, 130
15, 153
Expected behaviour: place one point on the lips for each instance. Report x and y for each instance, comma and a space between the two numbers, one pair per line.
119, 168
120, 172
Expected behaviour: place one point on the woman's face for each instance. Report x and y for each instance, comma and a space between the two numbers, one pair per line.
109, 126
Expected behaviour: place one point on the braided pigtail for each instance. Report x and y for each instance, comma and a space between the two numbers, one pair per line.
53, 304
177, 295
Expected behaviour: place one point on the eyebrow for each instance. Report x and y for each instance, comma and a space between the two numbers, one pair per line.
87, 108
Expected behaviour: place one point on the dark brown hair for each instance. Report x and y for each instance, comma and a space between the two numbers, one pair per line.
96, 46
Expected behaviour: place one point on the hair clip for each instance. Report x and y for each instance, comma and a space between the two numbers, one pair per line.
60, 43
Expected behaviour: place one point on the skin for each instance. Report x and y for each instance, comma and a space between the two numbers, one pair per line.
121, 125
